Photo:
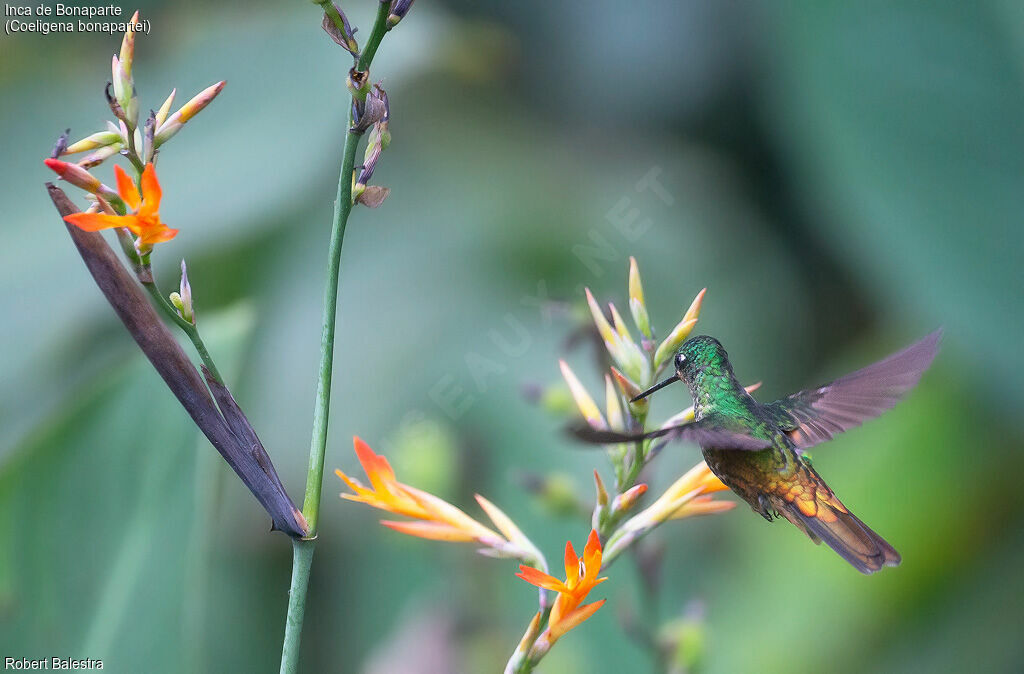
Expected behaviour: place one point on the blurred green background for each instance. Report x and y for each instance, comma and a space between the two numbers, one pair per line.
843, 177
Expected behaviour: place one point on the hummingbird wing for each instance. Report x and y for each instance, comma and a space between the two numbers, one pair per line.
704, 433
815, 415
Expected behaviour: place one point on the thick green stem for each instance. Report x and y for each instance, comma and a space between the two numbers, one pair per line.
380, 26
318, 446
302, 558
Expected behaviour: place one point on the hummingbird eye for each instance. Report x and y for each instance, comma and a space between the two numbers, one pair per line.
680, 359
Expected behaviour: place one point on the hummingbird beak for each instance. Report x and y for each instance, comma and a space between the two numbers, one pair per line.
657, 387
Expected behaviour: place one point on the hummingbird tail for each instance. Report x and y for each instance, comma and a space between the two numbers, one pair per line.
842, 531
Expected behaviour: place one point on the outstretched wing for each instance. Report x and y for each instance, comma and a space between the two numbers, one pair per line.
814, 416
703, 433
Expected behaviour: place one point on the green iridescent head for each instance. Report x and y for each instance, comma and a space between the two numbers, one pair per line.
695, 356
698, 354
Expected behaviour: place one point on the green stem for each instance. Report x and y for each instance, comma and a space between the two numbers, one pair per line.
188, 328
302, 560
302, 557
380, 26
318, 445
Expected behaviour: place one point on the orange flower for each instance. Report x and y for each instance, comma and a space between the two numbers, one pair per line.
386, 492
580, 579
440, 520
144, 222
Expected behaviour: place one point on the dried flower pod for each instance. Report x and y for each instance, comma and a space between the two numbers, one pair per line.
343, 35
226, 427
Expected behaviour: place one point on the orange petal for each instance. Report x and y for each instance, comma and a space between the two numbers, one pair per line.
572, 564
353, 484
711, 484
151, 192
540, 579
368, 499
433, 530
440, 510
591, 561
361, 494
92, 222
592, 551
565, 603
573, 619
134, 224
126, 188
703, 507
158, 234
377, 467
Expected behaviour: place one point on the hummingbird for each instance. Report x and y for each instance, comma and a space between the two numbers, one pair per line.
757, 449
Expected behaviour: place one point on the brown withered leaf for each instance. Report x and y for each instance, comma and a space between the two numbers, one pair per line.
228, 433
343, 38
373, 196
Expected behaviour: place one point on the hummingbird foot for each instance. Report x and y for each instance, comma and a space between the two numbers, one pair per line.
766, 511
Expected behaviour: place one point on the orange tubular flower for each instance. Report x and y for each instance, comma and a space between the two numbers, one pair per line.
440, 520
580, 579
144, 222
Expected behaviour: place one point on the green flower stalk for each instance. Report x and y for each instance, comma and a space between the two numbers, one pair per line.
302, 553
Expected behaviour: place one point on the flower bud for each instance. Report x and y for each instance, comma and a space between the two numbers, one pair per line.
621, 347
165, 109
185, 295
520, 546
79, 177
642, 321
99, 156
186, 112
124, 92
680, 332
588, 408
127, 54
629, 498
602, 493
399, 8
97, 140
370, 158
613, 407
619, 324
630, 390
600, 514
638, 306
612, 339
635, 352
